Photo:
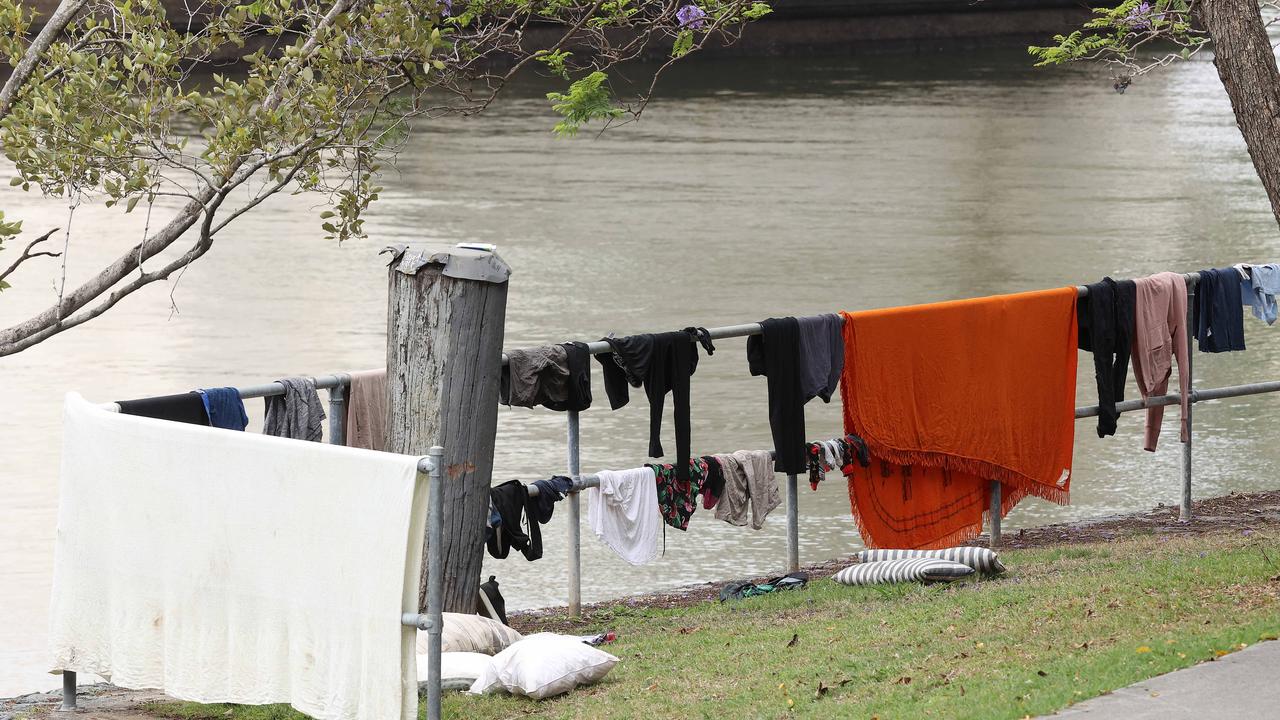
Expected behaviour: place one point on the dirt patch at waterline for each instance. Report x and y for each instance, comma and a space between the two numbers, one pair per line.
1237, 512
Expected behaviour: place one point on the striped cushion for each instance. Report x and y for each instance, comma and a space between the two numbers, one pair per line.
904, 570
979, 558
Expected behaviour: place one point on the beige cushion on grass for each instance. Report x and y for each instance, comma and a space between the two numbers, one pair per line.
471, 633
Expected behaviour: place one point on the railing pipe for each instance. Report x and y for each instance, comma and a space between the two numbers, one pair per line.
1184, 511
435, 577
323, 382
996, 504
730, 331
338, 410
793, 524
68, 691
575, 528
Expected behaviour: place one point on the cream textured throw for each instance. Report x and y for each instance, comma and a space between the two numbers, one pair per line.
223, 566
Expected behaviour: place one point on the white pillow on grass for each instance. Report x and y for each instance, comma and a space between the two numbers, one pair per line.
471, 633
544, 665
458, 670
896, 571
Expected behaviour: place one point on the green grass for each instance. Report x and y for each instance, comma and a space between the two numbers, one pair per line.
1064, 625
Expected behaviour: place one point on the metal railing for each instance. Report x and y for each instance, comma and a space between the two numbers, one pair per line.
581, 481
337, 384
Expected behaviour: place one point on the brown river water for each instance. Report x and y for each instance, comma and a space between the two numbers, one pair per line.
750, 189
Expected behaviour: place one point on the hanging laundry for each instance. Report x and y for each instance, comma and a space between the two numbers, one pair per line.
818, 468
557, 377
677, 498
1258, 289
713, 486
703, 338
623, 513
367, 410
1160, 335
511, 499
1105, 316
296, 414
1219, 311
983, 386
749, 484
185, 408
550, 491
233, 567
224, 408
821, 355
801, 359
838, 454
662, 363
578, 384
492, 522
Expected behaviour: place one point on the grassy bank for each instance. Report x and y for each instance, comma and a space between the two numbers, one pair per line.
1065, 624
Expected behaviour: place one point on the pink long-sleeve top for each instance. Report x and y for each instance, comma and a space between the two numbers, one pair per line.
1160, 334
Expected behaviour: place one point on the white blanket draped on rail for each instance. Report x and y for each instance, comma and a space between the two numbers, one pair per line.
223, 566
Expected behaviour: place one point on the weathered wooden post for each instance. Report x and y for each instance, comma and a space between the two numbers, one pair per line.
445, 313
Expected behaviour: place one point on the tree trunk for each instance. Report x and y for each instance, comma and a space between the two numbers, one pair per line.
1247, 68
445, 320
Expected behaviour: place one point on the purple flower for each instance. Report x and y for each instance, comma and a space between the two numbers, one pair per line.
1139, 17
692, 17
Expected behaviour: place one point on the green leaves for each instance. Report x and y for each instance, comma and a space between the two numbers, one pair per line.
588, 99
683, 43
1120, 34
118, 110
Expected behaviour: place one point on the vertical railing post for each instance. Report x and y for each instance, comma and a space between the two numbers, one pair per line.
1184, 511
338, 411
996, 501
575, 530
793, 524
68, 691
435, 578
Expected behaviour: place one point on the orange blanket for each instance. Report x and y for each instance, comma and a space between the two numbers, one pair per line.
982, 388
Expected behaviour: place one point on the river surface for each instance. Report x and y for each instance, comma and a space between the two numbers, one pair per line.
750, 189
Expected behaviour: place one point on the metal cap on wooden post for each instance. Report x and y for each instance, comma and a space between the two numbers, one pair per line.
446, 307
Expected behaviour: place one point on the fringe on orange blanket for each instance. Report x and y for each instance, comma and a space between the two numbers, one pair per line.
921, 508
983, 387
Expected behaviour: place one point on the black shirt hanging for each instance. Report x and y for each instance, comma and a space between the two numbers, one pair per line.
184, 408
1106, 322
661, 363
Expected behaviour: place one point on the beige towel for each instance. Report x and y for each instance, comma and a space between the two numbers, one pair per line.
749, 483
367, 410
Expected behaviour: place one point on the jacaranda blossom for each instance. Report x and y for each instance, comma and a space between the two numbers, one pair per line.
1139, 17
692, 17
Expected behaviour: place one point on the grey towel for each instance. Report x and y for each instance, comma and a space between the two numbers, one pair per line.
821, 355
297, 413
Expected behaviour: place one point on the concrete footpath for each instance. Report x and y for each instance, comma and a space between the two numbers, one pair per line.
1242, 685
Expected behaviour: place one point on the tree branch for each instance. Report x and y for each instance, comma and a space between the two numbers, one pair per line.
66, 12
27, 254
